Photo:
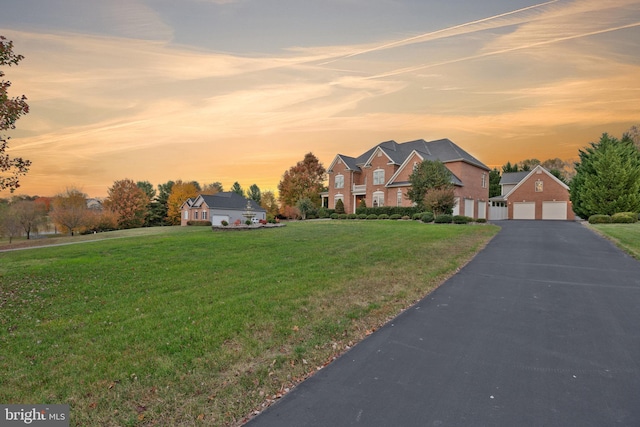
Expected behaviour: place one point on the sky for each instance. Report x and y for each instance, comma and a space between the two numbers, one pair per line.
241, 90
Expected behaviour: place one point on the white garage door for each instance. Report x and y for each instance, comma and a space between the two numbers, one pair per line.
554, 210
217, 219
524, 210
468, 207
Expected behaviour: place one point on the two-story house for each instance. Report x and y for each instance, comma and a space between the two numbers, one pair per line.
380, 176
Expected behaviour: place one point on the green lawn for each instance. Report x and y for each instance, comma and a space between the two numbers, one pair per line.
185, 326
626, 236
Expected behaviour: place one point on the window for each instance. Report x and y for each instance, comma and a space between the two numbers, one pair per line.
399, 198
186, 214
484, 180
204, 214
538, 186
378, 177
339, 181
195, 215
378, 199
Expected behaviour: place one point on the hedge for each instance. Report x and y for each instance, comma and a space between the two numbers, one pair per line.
624, 218
388, 210
372, 216
443, 219
199, 223
599, 219
461, 219
395, 216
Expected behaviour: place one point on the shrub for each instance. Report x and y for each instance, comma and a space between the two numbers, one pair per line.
406, 217
624, 218
427, 217
443, 219
481, 220
599, 219
224, 223
352, 216
395, 216
342, 216
248, 222
461, 219
417, 216
372, 216
389, 210
383, 216
334, 215
362, 216
339, 206
311, 216
199, 223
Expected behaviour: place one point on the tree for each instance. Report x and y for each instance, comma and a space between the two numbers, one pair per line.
29, 215
607, 179
305, 206
634, 134
9, 224
159, 206
254, 193
11, 169
508, 167
339, 206
211, 189
528, 164
440, 200
148, 189
237, 188
269, 203
494, 183
69, 210
180, 193
129, 202
427, 176
305, 179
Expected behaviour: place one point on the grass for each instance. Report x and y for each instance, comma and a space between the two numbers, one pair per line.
182, 326
625, 236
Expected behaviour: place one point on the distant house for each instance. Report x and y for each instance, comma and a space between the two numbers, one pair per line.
535, 194
380, 176
226, 206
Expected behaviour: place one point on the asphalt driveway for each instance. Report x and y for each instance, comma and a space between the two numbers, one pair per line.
542, 328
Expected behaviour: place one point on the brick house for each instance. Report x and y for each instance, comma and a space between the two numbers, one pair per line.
225, 206
380, 176
535, 194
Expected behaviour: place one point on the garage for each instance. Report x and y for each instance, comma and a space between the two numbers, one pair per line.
217, 219
554, 210
524, 210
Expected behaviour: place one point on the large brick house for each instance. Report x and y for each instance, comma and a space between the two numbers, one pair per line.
380, 176
534, 194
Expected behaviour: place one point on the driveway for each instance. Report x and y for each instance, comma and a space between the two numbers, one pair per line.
542, 328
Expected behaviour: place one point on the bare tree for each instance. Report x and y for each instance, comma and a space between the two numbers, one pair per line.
29, 214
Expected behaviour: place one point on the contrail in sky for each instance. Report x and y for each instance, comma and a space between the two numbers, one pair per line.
421, 36
501, 51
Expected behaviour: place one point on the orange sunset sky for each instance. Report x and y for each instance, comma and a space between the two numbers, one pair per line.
240, 90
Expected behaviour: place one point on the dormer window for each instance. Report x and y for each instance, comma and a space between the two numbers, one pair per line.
378, 177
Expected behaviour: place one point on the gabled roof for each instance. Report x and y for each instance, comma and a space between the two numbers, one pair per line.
227, 200
443, 150
509, 178
350, 162
527, 175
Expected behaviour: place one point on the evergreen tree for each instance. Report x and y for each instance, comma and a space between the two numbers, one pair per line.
607, 179
429, 175
494, 183
254, 193
237, 188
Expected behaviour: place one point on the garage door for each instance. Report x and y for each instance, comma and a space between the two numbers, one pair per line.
554, 210
524, 210
217, 219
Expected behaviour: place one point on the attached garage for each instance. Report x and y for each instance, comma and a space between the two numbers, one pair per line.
554, 210
524, 210
217, 219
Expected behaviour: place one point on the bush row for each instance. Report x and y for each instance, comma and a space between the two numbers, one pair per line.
619, 218
199, 223
426, 217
